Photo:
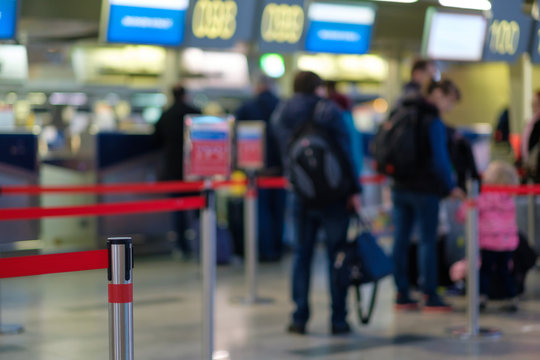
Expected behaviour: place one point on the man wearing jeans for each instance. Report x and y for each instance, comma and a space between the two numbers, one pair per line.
291, 116
416, 199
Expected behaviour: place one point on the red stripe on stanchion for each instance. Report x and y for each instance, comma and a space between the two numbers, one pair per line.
251, 193
120, 293
471, 204
187, 203
512, 189
160, 187
373, 179
272, 182
54, 263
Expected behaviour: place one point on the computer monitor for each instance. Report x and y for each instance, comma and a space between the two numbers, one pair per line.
454, 36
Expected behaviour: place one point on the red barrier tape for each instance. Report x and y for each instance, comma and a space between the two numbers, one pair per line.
513, 190
147, 188
52, 264
120, 293
159, 187
187, 203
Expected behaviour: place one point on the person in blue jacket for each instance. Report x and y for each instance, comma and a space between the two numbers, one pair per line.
417, 198
333, 219
271, 204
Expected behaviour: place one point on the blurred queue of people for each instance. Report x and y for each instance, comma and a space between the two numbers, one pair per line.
318, 113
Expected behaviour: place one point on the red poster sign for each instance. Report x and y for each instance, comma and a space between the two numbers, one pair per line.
208, 146
250, 145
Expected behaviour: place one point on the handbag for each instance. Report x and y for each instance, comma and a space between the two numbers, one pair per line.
362, 261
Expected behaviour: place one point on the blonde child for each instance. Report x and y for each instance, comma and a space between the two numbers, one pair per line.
497, 233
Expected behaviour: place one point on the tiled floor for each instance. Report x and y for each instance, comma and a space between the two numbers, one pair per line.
65, 317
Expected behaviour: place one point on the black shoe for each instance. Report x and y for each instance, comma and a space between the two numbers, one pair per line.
299, 329
405, 303
434, 304
341, 329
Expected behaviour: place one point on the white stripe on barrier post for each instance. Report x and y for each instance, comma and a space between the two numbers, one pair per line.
120, 277
472, 330
208, 232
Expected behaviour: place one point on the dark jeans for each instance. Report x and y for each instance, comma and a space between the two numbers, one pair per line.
496, 264
411, 208
271, 223
183, 221
334, 221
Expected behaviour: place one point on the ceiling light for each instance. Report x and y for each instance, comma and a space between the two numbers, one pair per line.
400, 1
467, 4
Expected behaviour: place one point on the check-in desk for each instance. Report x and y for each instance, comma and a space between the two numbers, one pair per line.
18, 167
106, 158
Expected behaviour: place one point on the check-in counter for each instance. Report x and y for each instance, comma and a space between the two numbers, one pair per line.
18, 167
127, 158
106, 158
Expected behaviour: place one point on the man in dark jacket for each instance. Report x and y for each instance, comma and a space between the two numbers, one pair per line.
417, 198
271, 202
169, 136
333, 219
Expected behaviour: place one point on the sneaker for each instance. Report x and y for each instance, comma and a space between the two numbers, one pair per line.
341, 329
405, 303
298, 329
434, 304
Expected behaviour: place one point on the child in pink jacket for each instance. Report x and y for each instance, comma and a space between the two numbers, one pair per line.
497, 233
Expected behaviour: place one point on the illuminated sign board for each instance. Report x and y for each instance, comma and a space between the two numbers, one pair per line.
509, 31
220, 23
282, 26
250, 144
8, 18
207, 149
340, 28
159, 22
454, 36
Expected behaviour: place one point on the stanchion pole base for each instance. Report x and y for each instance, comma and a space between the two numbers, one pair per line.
11, 329
484, 333
252, 301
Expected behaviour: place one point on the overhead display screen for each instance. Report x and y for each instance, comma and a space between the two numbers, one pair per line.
454, 36
8, 18
158, 22
220, 24
282, 24
340, 28
510, 31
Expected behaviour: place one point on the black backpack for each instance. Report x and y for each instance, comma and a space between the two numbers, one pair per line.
318, 168
397, 143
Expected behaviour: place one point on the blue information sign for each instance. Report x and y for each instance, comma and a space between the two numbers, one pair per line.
159, 22
220, 24
8, 18
339, 28
509, 31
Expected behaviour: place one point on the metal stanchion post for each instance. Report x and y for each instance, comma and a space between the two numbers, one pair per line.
473, 330
251, 243
208, 232
9, 329
120, 277
531, 219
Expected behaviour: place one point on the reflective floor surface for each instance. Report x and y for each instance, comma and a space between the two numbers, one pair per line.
65, 317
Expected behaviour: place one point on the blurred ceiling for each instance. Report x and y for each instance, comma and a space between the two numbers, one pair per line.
398, 27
